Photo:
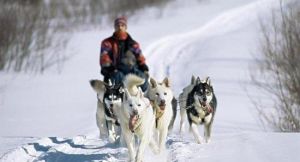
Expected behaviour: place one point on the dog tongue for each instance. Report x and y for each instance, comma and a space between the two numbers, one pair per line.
162, 106
132, 121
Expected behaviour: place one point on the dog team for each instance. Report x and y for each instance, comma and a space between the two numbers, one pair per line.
125, 112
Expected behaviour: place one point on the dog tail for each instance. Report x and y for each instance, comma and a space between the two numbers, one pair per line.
131, 82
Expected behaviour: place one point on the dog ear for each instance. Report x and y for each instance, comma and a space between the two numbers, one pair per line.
126, 94
167, 82
198, 81
193, 80
140, 93
121, 89
97, 85
207, 81
153, 83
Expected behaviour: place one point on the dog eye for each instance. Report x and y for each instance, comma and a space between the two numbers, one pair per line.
139, 104
130, 105
157, 94
165, 93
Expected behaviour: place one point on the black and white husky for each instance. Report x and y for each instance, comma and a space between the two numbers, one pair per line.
112, 100
109, 102
199, 106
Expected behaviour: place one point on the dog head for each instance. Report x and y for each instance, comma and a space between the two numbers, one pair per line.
134, 106
203, 92
113, 95
160, 93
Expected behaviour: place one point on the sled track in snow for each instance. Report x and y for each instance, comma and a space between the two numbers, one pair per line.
166, 51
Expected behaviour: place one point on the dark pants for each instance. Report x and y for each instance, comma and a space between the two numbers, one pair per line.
118, 77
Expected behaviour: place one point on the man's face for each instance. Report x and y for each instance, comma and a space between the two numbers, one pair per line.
120, 27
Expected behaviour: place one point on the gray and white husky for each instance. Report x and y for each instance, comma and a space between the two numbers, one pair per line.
199, 106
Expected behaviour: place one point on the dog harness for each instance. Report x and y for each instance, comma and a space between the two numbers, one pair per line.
158, 114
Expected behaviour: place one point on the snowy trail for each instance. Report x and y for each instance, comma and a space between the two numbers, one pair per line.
227, 147
166, 51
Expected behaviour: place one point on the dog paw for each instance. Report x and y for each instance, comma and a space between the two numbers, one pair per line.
112, 139
155, 150
138, 160
130, 160
199, 140
207, 140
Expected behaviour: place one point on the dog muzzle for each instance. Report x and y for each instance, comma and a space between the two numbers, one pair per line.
202, 103
162, 106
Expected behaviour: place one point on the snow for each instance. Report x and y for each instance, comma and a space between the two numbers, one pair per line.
51, 117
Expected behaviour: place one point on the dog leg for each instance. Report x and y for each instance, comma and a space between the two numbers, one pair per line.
101, 122
128, 137
112, 137
153, 146
207, 132
141, 149
182, 120
195, 132
117, 132
174, 111
162, 139
122, 140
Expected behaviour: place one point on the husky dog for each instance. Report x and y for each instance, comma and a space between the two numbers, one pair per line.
109, 103
200, 108
112, 100
99, 88
161, 98
136, 118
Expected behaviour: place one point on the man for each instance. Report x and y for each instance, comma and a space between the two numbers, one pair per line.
121, 55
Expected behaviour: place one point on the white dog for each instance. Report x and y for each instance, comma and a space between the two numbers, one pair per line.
161, 96
136, 118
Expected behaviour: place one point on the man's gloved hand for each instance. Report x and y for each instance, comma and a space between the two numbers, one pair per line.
106, 71
143, 67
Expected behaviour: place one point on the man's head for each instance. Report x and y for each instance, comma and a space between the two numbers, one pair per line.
120, 24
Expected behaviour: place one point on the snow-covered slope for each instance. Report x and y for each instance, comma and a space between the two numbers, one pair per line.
52, 117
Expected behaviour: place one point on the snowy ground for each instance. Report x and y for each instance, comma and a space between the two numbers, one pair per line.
52, 117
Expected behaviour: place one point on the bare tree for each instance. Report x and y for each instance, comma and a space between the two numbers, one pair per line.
279, 70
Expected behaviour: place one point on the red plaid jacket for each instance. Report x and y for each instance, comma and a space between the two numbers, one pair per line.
110, 51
